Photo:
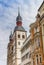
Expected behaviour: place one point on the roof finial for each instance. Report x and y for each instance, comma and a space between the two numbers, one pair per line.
19, 18
18, 11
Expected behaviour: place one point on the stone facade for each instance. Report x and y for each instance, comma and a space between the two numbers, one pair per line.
37, 36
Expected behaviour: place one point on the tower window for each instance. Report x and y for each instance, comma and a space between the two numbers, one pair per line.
23, 36
18, 36
18, 43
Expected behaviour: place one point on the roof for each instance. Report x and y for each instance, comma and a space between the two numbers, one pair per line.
19, 18
41, 6
19, 28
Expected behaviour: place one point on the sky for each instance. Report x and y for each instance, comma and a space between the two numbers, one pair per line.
8, 14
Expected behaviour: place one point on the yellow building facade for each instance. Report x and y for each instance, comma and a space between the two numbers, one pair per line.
37, 37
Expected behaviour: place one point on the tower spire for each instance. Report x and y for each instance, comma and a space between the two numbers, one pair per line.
19, 18
18, 11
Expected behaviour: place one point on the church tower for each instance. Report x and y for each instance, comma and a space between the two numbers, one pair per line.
16, 41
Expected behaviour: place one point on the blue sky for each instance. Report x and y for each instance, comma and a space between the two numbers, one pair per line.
8, 14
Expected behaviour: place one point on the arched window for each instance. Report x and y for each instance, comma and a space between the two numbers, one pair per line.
18, 36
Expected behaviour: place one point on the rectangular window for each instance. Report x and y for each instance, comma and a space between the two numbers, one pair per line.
37, 58
40, 60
